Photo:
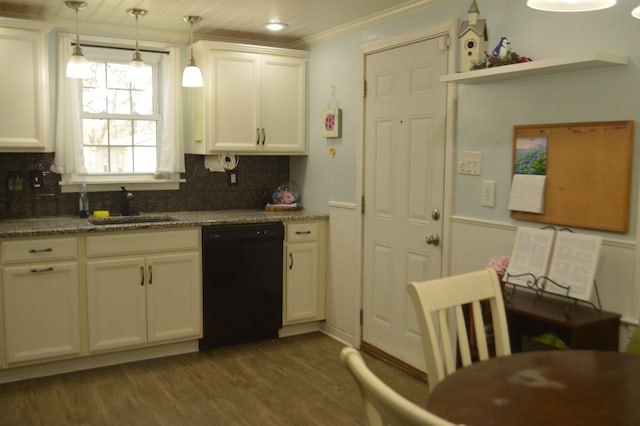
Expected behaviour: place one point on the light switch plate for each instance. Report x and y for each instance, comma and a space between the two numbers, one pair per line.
470, 162
489, 193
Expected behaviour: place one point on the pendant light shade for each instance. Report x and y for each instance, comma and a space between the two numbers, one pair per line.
192, 76
136, 72
636, 12
77, 66
570, 5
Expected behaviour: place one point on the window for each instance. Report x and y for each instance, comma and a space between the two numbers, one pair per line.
110, 131
119, 119
118, 123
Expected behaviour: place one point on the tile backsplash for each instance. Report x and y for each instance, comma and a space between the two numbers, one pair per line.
203, 190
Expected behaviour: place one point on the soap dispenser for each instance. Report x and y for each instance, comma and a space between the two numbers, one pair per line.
83, 201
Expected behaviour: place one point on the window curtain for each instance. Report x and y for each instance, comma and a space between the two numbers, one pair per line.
171, 149
69, 157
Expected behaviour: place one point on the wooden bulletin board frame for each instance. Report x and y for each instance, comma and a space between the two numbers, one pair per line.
588, 171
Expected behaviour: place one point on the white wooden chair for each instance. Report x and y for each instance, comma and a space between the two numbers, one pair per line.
443, 299
384, 406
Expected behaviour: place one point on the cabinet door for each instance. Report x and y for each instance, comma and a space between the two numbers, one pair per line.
283, 112
233, 100
23, 80
41, 311
301, 282
174, 296
116, 295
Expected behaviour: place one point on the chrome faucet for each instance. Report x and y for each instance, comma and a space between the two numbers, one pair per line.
125, 198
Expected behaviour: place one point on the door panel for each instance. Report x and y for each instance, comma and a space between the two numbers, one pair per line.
403, 183
173, 297
116, 298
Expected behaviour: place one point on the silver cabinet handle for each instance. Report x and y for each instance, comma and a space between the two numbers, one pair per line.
258, 136
150, 275
41, 250
303, 232
142, 275
49, 269
264, 136
291, 261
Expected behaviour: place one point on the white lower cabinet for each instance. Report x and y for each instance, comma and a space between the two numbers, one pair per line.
40, 299
140, 299
304, 287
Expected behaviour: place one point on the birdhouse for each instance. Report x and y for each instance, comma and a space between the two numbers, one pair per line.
473, 39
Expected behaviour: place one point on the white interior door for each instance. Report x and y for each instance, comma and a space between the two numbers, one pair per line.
404, 155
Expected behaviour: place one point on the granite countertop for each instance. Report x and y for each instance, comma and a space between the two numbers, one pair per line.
71, 225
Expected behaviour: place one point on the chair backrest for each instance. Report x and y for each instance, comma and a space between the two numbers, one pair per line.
383, 405
444, 299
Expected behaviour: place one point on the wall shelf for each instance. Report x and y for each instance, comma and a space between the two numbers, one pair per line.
537, 68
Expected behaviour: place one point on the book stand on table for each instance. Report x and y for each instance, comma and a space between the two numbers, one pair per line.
538, 285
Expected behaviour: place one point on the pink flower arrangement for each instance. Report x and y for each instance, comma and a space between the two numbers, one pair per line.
499, 264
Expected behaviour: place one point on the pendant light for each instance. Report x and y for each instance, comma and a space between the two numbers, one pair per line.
136, 66
77, 66
636, 12
570, 5
192, 76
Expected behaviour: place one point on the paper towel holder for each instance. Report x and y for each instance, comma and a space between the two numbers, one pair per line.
228, 161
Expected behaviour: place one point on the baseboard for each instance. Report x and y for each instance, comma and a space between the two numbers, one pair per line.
295, 329
95, 361
379, 353
337, 334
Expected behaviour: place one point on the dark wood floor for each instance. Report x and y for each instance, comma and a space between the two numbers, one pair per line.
291, 381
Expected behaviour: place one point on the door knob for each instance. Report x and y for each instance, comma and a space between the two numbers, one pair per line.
433, 240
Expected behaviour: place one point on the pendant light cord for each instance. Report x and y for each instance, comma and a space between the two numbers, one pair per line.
77, 30
137, 50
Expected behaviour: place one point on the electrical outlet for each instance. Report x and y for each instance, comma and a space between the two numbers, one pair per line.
489, 193
470, 162
36, 177
233, 178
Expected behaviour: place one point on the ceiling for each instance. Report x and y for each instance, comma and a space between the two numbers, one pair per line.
229, 19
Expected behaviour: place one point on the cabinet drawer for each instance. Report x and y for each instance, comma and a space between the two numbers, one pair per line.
302, 232
39, 250
142, 242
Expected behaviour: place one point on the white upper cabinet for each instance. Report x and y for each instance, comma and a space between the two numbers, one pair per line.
24, 85
254, 100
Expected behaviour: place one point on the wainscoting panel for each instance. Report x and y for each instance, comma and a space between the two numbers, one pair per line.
343, 274
475, 241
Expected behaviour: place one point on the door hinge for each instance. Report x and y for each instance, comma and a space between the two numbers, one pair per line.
444, 43
361, 317
362, 204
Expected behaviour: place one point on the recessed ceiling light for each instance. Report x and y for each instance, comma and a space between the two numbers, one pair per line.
276, 26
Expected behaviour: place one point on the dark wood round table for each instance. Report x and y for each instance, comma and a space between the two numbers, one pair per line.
543, 388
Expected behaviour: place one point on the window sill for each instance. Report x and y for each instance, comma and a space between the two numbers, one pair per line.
111, 183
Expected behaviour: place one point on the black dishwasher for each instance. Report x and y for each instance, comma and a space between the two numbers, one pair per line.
242, 283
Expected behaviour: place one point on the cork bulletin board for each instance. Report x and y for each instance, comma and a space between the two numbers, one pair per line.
588, 173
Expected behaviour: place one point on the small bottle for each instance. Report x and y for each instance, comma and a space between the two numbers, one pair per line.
83, 201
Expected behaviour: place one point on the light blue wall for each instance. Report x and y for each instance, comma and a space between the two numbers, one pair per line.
486, 113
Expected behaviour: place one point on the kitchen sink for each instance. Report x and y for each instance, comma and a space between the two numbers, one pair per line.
121, 220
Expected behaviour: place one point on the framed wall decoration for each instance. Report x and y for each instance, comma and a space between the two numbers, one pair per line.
332, 122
